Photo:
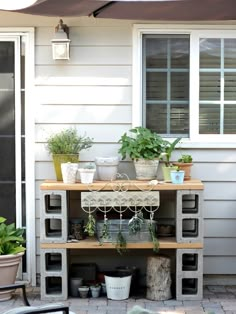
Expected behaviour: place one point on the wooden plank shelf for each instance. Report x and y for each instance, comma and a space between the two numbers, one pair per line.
132, 185
165, 243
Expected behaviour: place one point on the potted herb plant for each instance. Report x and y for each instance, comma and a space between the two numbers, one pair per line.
144, 147
177, 176
65, 146
11, 252
169, 147
185, 163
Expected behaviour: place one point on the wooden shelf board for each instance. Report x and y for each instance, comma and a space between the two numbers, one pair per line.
133, 185
165, 243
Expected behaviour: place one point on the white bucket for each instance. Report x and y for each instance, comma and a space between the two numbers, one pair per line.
118, 287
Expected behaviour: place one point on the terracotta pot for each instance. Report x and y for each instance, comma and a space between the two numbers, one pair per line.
8, 269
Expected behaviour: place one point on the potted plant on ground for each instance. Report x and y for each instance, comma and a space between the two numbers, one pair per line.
11, 252
185, 163
144, 147
65, 147
166, 157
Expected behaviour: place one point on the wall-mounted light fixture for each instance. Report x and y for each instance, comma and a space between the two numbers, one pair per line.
61, 42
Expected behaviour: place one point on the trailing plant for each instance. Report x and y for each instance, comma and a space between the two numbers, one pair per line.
169, 147
186, 159
141, 143
152, 231
105, 233
11, 238
135, 223
121, 243
90, 227
68, 142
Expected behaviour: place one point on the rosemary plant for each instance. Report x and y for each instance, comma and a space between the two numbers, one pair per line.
121, 243
90, 227
155, 241
105, 231
135, 223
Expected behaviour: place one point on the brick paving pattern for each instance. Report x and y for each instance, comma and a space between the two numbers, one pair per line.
216, 300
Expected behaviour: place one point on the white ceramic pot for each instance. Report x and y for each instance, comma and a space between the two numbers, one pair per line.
107, 167
86, 175
69, 171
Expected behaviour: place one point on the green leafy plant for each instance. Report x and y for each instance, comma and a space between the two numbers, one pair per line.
169, 147
135, 223
11, 238
142, 143
90, 227
152, 231
68, 142
121, 243
186, 159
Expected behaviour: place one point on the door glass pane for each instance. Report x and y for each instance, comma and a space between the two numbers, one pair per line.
7, 131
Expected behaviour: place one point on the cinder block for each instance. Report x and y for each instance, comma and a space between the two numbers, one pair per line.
53, 219
189, 218
189, 274
54, 274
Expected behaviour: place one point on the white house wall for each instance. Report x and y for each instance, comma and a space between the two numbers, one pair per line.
93, 90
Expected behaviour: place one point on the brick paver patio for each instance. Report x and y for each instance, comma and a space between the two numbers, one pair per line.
217, 300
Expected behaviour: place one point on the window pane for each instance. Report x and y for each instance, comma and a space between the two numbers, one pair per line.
209, 86
210, 53
179, 119
166, 85
156, 52
209, 122
160, 111
230, 119
230, 86
156, 86
230, 53
179, 81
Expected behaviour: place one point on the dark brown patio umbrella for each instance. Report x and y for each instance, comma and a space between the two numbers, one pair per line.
172, 10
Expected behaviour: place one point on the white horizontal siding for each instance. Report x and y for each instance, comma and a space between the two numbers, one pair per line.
90, 75
219, 265
86, 56
82, 95
83, 114
219, 246
93, 35
221, 209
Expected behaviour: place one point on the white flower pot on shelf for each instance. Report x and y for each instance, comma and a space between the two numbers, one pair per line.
107, 167
69, 172
86, 175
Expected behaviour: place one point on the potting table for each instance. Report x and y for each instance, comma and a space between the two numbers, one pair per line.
187, 242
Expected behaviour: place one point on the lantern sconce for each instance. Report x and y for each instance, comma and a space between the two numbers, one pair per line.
61, 42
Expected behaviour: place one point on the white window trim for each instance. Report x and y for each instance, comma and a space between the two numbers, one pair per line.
28, 33
195, 32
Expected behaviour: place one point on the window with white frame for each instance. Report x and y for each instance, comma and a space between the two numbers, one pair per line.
188, 83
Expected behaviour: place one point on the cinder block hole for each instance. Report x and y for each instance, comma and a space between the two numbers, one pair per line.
52, 203
189, 286
189, 262
190, 228
53, 228
53, 261
190, 204
53, 285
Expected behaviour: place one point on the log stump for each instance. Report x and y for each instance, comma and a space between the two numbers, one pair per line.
158, 278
